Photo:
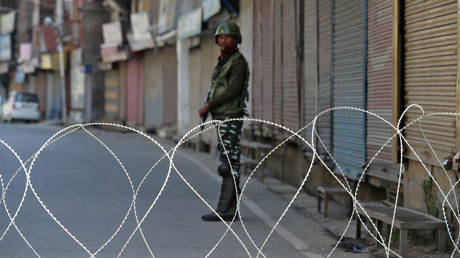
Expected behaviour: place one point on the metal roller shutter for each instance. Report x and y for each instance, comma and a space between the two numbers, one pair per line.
263, 60
257, 74
267, 60
135, 90
349, 127
169, 58
430, 69
209, 53
122, 77
278, 64
153, 97
41, 92
111, 94
196, 99
311, 64
324, 74
290, 80
379, 78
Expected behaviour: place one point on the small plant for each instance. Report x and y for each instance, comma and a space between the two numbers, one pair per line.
431, 199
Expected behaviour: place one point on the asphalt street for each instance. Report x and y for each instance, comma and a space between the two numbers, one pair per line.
89, 193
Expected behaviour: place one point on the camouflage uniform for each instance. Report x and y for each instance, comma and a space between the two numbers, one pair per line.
227, 100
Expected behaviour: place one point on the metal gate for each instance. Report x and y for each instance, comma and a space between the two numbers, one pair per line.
111, 94
153, 89
257, 70
135, 90
278, 63
290, 79
40, 80
379, 78
349, 50
170, 85
430, 74
311, 65
267, 60
263, 60
324, 123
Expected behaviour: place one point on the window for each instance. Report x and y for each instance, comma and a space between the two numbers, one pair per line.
26, 97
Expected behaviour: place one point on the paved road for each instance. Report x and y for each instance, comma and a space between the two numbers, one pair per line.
89, 193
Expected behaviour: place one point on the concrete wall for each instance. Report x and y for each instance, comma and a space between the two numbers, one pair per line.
287, 164
321, 176
421, 192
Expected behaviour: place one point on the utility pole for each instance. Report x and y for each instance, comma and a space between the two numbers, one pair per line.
59, 28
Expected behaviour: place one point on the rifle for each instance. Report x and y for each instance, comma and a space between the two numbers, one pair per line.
205, 116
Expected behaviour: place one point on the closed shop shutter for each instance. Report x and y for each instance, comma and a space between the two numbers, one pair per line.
278, 63
349, 127
140, 90
267, 60
111, 94
290, 79
153, 89
311, 64
196, 100
160, 87
324, 74
122, 75
257, 70
170, 86
53, 95
135, 90
379, 78
41, 92
430, 67
209, 55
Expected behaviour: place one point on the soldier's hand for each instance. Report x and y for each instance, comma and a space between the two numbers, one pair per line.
204, 110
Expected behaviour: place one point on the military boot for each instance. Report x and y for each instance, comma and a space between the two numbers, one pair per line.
226, 207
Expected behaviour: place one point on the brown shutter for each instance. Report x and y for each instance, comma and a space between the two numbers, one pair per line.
430, 74
379, 78
135, 90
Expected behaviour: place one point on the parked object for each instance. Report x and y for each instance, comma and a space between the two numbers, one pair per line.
21, 106
326, 192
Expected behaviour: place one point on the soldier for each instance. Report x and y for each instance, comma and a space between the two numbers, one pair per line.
229, 91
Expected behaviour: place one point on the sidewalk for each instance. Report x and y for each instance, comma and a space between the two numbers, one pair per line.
50, 123
323, 232
268, 200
